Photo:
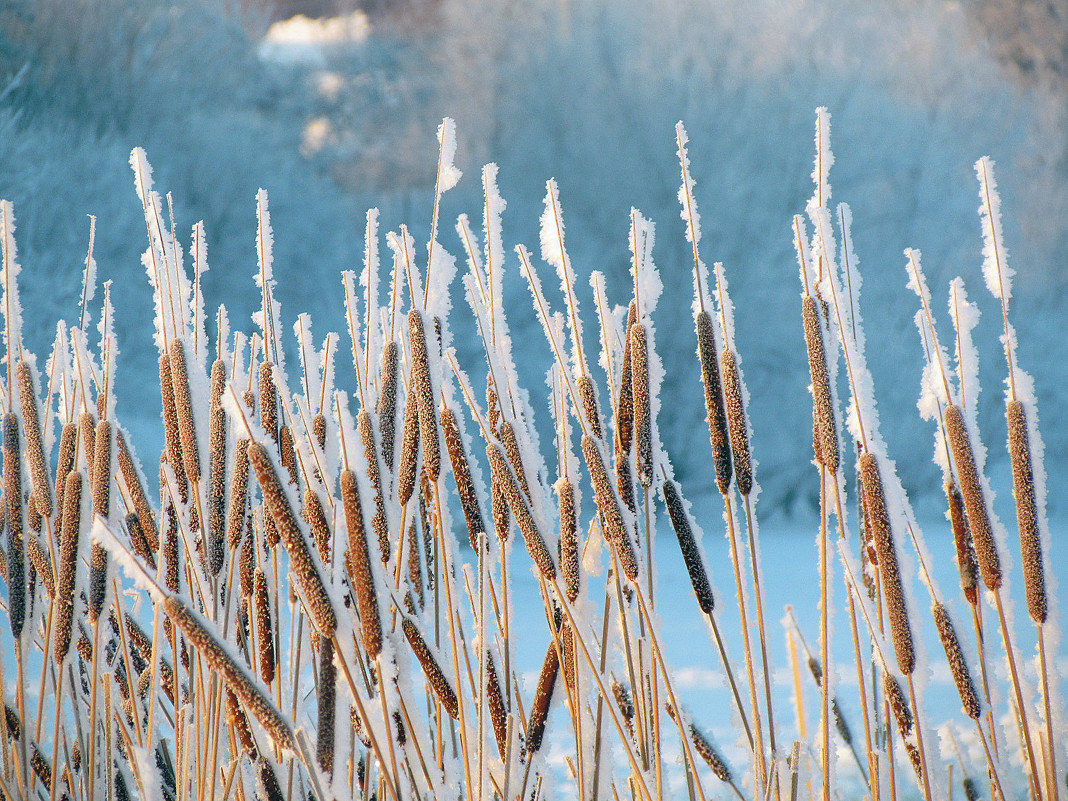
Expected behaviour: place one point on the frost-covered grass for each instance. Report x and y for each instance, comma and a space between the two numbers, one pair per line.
361, 573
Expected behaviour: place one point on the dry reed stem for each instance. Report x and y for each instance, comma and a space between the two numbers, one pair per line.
68, 565
971, 490
183, 407
326, 704
691, 555
714, 408
409, 455
461, 471
387, 401
35, 455
643, 424
358, 559
374, 475
569, 550
608, 505
301, 561
958, 665
503, 477
435, 676
132, 479
1023, 490
822, 400
16, 549
423, 389
893, 588
736, 422
543, 697
962, 541
261, 609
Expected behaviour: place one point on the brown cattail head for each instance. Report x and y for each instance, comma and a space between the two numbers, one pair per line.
1023, 489
35, 455
543, 698
13, 722
172, 565
41, 768
893, 588
624, 702
139, 540
822, 400
247, 566
971, 789
102, 469
643, 424
691, 555
415, 563
717, 415
234, 676
962, 539
68, 565
517, 502
958, 665
515, 455
268, 401
387, 402
435, 676
608, 504
268, 781
493, 406
704, 748
98, 580
374, 475
326, 704
68, 447
502, 519
87, 428
287, 453
359, 564
971, 490
238, 510
16, 549
319, 429
899, 705
569, 551
816, 669
461, 471
315, 516
497, 712
301, 561
238, 721
409, 455
217, 481
423, 389
183, 407
42, 564
588, 398
261, 608
132, 478
624, 434
734, 399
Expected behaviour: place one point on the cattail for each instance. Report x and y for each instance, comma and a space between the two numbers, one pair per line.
41, 563
33, 515
969, 570
358, 728
624, 433
172, 565
893, 590
301, 561
493, 406
434, 674
569, 552
588, 398
238, 721
13, 722
183, 407
568, 657
247, 567
326, 702
691, 555
515, 456
423, 389
495, 703
971, 490
287, 453
502, 520
543, 697
87, 427
409, 455
132, 479
1023, 489
899, 705
736, 422
608, 505
958, 665
216, 477
517, 502
102, 469
68, 447
374, 475
971, 789
704, 748
643, 426
461, 471
41, 768
68, 565
717, 415
319, 429
84, 648
822, 403
840, 723
238, 511
624, 702
625, 482
315, 517
16, 555
98, 580
35, 455
234, 676
387, 401
268, 401
415, 565
272, 790
360, 567
261, 607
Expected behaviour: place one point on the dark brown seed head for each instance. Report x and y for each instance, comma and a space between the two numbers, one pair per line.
840, 723
301, 560
238, 509
87, 428
261, 608
625, 482
435, 676
374, 475
102, 469
624, 702
717, 415
624, 434
247, 566
588, 398
643, 424
172, 565
138, 539
319, 429
68, 564
287, 452
16, 549
98, 580
423, 388
568, 661
493, 407
326, 704
41, 768
736, 422
409, 455
971, 490
497, 712
238, 721
691, 555
461, 471
569, 551
358, 559
515, 456
503, 477
68, 446
35, 455
268, 401
1023, 489
958, 665
816, 670
217, 485
971, 790
42, 564
415, 564
502, 519
315, 516
272, 790
893, 588
543, 697
132, 478
14, 725
608, 504
962, 539
387, 402
899, 705
822, 402
183, 407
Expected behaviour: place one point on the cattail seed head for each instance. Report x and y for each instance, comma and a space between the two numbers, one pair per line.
374, 475
899, 705
816, 669
261, 607
840, 723
588, 398
624, 434
893, 588
615, 530
503, 477
68, 564
515, 455
40, 560
962, 540
68, 447
569, 551
435, 676
132, 478
624, 702
217, 485
360, 568
247, 567
971, 490
958, 665
315, 516
98, 580
737, 424
183, 407
41, 768
822, 400
497, 712
691, 555
543, 697
502, 519
139, 540
643, 425
238, 721
704, 748
268, 401
461, 471
326, 704
268, 781
172, 565
971, 790
16, 549
387, 402
35, 455
102, 469
493, 406
415, 564
13, 722
301, 560
1023, 490
423, 389
717, 415
87, 428
625, 482
409, 455
238, 510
